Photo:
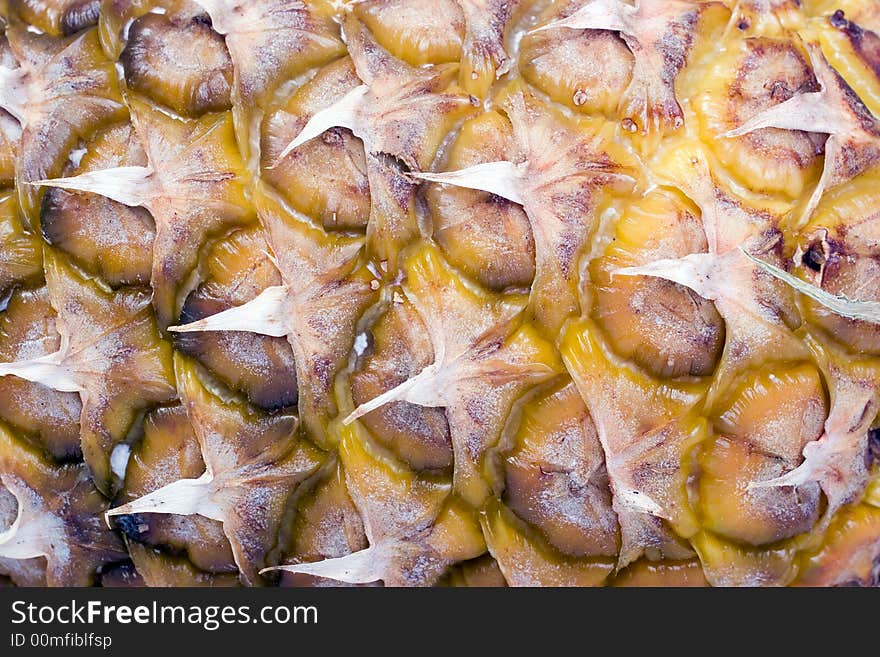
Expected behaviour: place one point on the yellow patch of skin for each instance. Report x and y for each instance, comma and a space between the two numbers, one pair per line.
480, 572
796, 167
662, 573
563, 65
526, 561
161, 569
842, 56
848, 553
419, 33
20, 254
730, 564
872, 492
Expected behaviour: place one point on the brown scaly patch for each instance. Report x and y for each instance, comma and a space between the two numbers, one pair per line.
178, 61
850, 551
838, 459
393, 222
555, 476
659, 33
10, 133
326, 525
417, 31
401, 114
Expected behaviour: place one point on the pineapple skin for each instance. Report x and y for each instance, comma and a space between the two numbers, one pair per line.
439, 292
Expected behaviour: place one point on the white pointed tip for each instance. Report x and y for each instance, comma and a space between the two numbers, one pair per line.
264, 314
640, 502
657, 268
423, 389
362, 567
127, 185
192, 327
628, 271
501, 178
697, 271
46, 370
356, 414
759, 121
300, 139
183, 497
370, 406
23, 541
796, 477
809, 112
341, 114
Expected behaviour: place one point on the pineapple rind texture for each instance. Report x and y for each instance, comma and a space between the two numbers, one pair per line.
439, 292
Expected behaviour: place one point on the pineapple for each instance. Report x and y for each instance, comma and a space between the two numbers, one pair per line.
439, 292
